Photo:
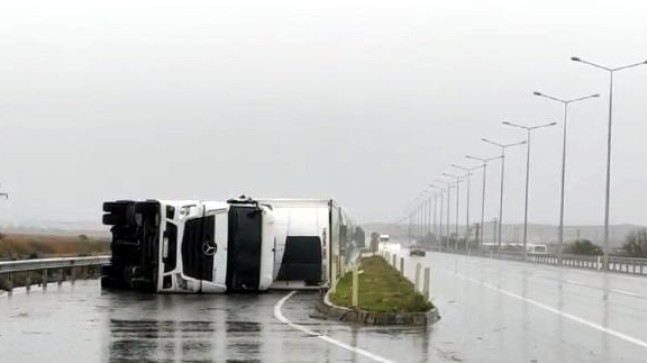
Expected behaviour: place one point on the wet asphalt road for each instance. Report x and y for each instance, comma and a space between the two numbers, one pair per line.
81, 323
492, 311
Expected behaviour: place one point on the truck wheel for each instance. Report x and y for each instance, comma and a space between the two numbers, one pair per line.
113, 219
118, 206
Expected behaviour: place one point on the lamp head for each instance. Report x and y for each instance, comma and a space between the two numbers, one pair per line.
576, 59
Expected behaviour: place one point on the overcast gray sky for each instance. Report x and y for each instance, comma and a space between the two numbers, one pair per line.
362, 101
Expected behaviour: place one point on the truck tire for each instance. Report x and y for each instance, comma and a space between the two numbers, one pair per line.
118, 206
113, 219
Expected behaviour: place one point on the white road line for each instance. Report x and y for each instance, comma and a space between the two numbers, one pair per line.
578, 283
629, 293
577, 319
279, 315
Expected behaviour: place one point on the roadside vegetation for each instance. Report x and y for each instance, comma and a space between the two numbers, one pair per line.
636, 243
381, 289
583, 247
17, 247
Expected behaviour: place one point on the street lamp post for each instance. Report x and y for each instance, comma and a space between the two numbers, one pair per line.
529, 130
468, 174
440, 220
449, 194
484, 165
458, 180
435, 188
503, 147
608, 187
560, 238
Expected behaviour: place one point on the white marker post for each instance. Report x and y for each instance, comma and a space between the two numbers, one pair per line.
355, 286
426, 288
333, 277
417, 279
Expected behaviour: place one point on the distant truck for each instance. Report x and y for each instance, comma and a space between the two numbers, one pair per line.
237, 245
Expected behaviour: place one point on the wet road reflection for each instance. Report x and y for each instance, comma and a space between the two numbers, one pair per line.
180, 328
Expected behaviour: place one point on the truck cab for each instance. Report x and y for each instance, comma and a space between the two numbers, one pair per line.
190, 246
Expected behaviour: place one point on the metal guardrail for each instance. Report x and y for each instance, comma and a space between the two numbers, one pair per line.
620, 264
11, 269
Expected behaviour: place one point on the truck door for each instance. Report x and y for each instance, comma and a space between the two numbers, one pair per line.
244, 248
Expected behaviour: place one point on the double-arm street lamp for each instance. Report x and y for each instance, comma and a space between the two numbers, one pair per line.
468, 174
458, 180
435, 188
560, 238
529, 130
449, 194
484, 162
421, 213
608, 187
503, 147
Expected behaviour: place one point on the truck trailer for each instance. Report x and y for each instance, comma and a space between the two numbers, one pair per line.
241, 245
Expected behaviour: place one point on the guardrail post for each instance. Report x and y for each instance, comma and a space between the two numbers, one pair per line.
44, 279
417, 279
28, 281
10, 284
355, 286
402, 265
426, 288
60, 276
394, 259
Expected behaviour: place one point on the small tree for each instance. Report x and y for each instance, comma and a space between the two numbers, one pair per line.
583, 247
636, 243
83, 238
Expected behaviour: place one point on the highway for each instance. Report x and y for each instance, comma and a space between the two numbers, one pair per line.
492, 311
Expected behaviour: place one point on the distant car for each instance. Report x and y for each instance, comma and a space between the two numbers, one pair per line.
417, 251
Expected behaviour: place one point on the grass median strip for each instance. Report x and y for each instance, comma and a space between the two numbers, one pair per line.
381, 289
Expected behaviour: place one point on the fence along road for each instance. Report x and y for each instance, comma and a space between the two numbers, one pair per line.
61, 266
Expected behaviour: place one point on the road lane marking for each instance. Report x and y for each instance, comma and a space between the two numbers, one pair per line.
629, 293
279, 315
572, 317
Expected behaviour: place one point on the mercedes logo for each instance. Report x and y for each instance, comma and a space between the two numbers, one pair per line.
209, 249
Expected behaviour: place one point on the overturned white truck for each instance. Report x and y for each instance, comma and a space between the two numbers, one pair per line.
234, 246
